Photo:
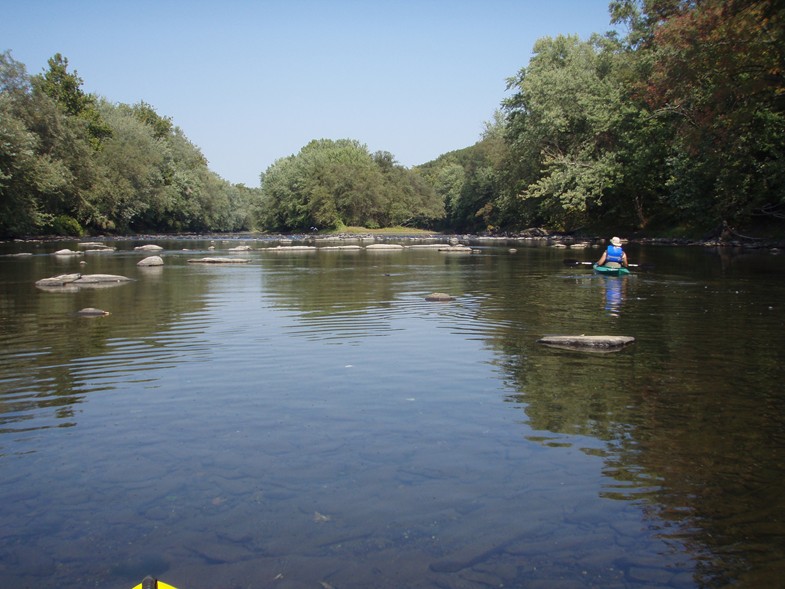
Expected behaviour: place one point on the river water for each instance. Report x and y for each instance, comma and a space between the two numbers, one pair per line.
308, 419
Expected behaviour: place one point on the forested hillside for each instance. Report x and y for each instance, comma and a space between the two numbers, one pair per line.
676, 126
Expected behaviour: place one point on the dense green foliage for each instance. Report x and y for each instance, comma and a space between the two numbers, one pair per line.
680, 124
330, 184
72, 163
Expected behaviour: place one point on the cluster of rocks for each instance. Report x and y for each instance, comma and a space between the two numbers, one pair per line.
74, 281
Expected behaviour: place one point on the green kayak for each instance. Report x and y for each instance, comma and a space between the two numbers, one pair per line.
614, 270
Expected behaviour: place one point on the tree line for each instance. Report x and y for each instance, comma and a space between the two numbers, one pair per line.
72, 162
679, 125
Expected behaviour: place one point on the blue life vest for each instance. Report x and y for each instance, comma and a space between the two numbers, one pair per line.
614, 254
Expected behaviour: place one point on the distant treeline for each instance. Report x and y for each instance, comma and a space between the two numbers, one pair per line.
677, 126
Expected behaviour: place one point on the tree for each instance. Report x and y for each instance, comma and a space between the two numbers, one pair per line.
66, 90
717, 77
561, 125
48, 168
162, 126
329, 184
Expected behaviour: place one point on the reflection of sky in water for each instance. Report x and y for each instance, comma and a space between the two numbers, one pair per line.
614, 294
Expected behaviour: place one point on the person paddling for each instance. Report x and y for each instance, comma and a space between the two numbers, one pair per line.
614, 256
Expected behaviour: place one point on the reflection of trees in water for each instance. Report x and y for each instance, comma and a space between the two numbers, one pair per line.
691, 426
687, 421
66, 356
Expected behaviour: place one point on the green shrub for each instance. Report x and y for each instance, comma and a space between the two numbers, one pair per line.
65, 225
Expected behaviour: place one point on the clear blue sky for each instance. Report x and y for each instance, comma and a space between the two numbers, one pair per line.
249, 82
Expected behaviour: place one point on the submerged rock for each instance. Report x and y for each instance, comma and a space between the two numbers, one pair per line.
439, 297
67, 252
592, 343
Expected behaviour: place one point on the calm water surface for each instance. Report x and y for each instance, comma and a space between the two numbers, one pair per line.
307, 419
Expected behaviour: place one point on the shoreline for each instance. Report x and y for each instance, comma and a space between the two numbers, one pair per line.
529, 235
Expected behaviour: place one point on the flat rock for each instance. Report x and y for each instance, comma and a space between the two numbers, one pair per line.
149, 248
67, 252
219, 261
72, 280
151, 261
456, 249
384, 246
92, 312
100, 279
60, 280
598, 343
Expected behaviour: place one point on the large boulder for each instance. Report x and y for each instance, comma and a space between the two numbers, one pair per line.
151, 261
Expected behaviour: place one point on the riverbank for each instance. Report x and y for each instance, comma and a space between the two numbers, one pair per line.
729, 239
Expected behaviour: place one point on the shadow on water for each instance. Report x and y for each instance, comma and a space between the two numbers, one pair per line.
308, 418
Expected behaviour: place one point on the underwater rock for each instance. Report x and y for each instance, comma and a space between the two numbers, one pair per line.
439, 297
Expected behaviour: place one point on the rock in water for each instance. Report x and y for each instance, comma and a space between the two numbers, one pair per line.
439, 297
101, 279
151, 261
60, 280
219, 261
92, 312
591, 343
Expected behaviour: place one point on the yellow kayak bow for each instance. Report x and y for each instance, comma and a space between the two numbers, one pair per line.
151, 583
